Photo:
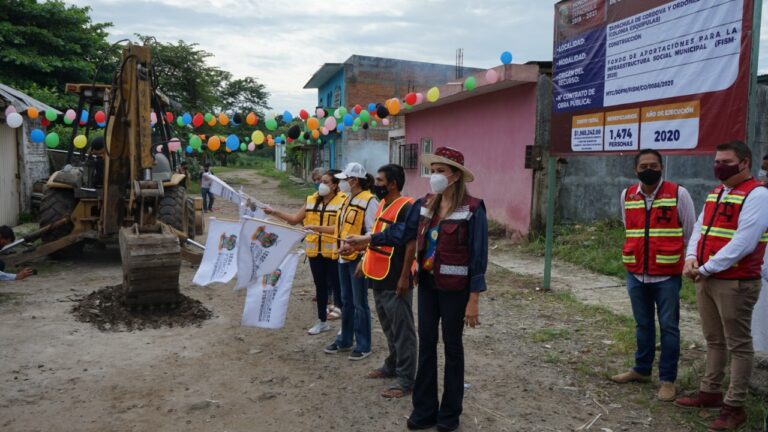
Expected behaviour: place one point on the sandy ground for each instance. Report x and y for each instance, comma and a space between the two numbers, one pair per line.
58, 374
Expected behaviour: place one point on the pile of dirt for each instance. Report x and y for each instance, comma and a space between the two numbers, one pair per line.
104, 309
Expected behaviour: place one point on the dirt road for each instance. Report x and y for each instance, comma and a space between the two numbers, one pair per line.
58, 374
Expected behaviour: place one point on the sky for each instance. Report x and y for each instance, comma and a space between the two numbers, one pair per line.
283, 42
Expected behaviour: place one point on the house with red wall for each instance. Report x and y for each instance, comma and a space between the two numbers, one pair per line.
495, 125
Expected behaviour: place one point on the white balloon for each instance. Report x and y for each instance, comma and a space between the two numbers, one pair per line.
14, 120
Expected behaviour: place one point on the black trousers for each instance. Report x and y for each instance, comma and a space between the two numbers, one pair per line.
325, 272
444, 309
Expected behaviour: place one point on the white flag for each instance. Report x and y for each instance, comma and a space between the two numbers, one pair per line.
266, 302
219, 262
251, 209
221, 188
263, 247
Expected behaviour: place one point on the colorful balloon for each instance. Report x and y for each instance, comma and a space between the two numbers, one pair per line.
50, 115
52, 140
37, 136
174, 144
410, 98
9, 109
491, 76
197, 120
80, 142
189, 149
83, 117
320, 113
233, 142
100, 117
287, 116
303, 114
506, 57
159, 148
152, 118
330, 123
186, 118
32, 112
257, 137
394, 107
313, 123
470, 83
271, 124
14, 120
295, 131
251, 146
223, 119
365, 115
433, 94
169, 116
251, 119
214, 143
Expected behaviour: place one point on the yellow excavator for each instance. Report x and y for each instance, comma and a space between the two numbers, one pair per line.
125, 189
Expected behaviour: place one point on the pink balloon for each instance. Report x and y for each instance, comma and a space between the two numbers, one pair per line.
385, 122
330, 123
159, 149
324, 130
491, 76
152, 118
320, 113
174, 144
11, 109
70, 114
251, 146
419, 98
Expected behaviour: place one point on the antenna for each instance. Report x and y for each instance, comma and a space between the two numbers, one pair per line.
459, 63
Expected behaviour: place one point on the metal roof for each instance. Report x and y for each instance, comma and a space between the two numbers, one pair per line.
22, 101
326, 72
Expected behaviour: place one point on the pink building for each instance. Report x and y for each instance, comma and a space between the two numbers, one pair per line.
491, 125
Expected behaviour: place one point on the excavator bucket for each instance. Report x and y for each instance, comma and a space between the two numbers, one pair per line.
151, 264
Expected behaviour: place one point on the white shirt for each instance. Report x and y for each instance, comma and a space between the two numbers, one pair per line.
7, 276
685, 213
753, 222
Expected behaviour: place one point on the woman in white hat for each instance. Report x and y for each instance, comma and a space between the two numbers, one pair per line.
451, 231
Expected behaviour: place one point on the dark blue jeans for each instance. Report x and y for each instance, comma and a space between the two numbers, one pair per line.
648, 299
355, 312
439, 310
207, 199
325, 273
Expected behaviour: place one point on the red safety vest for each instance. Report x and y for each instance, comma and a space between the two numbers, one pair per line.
654, 237
721, 220
451, 265
377, 259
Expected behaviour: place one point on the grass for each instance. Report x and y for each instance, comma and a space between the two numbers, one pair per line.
597, 247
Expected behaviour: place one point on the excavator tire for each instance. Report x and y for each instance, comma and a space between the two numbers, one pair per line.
56, 204
171, 207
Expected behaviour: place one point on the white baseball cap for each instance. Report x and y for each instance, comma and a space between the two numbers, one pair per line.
353, 169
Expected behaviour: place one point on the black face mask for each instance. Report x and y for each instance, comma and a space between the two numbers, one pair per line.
649, 177
380, 191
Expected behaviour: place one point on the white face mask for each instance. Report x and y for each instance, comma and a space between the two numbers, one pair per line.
438, 183
762, 175
345, 187
323, 189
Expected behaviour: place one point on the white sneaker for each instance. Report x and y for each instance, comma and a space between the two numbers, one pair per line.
319, 327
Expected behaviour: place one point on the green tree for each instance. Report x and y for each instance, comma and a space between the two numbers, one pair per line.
244, 95
45, 45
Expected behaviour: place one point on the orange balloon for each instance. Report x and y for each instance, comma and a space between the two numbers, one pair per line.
313, 123
394, 106
315, 134
214, 143
223, 119
212, 122
251, 119
227, 150
271, 143
32, 112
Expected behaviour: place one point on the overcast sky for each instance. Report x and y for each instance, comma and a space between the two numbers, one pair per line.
283, 42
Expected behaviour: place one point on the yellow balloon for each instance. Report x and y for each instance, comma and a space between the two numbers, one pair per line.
80, 142
394, 106
257, 137
433, 94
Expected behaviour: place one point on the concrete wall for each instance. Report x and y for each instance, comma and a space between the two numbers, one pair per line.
590, 187
492, 131
33, 164
328, 88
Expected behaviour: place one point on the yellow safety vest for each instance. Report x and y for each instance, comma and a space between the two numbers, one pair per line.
353, 222
320, 214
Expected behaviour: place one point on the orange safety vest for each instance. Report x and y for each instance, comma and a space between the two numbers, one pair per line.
377, 259
654, 236
721, 220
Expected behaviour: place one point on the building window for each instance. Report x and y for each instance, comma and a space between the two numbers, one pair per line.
409, 156
336, 97
426, 148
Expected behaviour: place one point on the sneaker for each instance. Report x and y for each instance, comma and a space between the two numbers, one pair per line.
356, 355
700, 400
334, 313
319, 327
630, 376
667, 391
335, 348
730, 418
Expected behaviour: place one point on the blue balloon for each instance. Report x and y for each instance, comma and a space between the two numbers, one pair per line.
37, 136
372, 107
84, 116
189, 149
287, 116
278, 140
506, 57
339, 127
233, 142
348, 119
186, 118
102, 124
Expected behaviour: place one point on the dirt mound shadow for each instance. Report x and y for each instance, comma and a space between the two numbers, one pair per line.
104, 309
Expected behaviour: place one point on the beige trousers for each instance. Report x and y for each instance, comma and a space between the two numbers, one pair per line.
725, 308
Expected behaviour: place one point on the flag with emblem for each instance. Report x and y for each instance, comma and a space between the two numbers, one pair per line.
219, 263
262, 248
266, 301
